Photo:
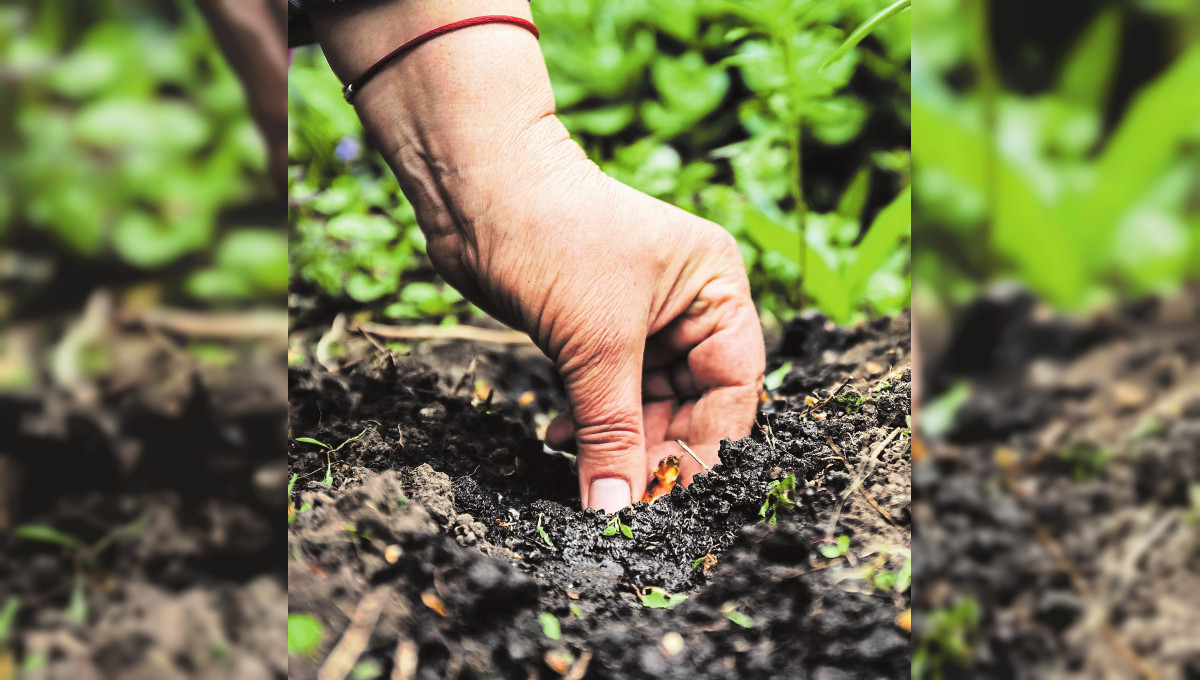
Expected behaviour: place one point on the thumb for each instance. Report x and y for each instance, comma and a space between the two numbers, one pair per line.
605, 391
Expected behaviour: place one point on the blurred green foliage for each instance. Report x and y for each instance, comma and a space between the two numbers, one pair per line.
126, 140
710, 105
1081, 196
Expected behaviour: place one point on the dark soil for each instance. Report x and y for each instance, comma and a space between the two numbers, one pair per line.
168, 470
1063, 504
423, 558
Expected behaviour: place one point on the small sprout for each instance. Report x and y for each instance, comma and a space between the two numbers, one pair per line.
780, 494
657, 598
304, 634
544, 535
77, 606
616, 525
46, 534
310, 440
774, 379
904, 578
836, 550
707, 561
367, 669
550, 626
328, 481
8, 615
1086, 460
884, 385
732, 613
575, 611
853, 401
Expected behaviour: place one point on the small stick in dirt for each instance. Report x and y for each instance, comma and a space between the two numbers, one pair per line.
694, 456
835, 392
404, 661
341, 660
864, 471
862, 489
371, 339
472, 333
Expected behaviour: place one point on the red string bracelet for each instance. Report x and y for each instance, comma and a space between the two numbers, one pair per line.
351, 89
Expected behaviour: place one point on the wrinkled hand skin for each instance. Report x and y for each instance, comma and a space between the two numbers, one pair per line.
644, 308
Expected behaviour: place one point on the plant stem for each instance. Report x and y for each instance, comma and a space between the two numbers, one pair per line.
796, 186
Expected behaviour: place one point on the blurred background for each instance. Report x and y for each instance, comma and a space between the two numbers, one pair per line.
143, 272
725, 109
1056, 249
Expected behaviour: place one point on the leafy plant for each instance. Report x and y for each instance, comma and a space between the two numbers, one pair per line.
670, 123
550, 626
774, 379
836, 549
780, 494
304, 633
1087, 461
615, 526
657, 598
735, 615
946, 642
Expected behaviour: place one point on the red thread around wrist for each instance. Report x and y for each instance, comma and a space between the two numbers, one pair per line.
354, 86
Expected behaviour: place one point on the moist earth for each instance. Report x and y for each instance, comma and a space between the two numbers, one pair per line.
422, 555
167, 474
1057, 518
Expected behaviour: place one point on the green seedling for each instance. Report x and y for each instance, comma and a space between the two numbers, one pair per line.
292, 511
550, 626
575, 611
657, 598
615, 525
735, 615
836, 549
885, 385
367, 669
946, 640
780, 494
1087, 461
544, 535
82, 555
304, 634
331, 452
774, 379
853, 401
8, 615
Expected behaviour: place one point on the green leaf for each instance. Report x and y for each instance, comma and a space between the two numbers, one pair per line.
544, 535
887, 231
8, 615
657, 598
260, 256
774, 379
47, 534
733, 614
855, 196
1087, 75
328, 480
550, 626
904, 578
626, 531
352, 226
304, 634
938, 415
310, 440
865, 29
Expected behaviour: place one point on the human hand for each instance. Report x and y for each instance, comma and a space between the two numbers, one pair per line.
644, 308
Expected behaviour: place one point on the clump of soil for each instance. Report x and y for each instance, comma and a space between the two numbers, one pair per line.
1057, 521
424, 557
168, 476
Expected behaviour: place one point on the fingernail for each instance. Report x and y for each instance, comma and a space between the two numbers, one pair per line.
609, 494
